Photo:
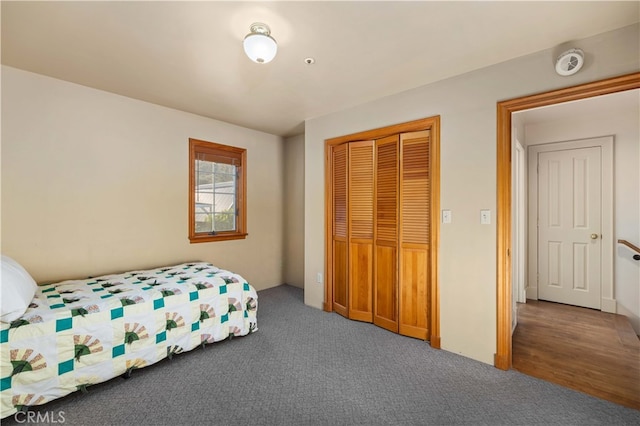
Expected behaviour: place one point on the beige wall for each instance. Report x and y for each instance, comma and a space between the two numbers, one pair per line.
294, 211
625, 127
467, 106
94, 183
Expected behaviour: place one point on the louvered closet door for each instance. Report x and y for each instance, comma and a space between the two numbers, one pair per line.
360, 230
339, 188
385, 259
414, 234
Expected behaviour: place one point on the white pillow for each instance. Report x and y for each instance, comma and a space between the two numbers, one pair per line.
17, 290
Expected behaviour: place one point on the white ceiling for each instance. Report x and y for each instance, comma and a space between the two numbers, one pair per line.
188, 55
597, 107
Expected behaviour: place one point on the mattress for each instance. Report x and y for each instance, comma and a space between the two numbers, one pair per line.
81, 332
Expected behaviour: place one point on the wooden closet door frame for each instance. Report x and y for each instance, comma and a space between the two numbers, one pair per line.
503, 355
429, 123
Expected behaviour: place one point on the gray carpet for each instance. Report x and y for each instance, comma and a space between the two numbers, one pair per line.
308, 367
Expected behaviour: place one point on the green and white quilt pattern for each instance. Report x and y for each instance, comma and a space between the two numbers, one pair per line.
81, 332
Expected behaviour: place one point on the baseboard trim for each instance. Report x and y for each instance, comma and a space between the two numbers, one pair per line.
532, 293
609, 305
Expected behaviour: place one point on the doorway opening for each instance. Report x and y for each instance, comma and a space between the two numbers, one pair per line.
503, 356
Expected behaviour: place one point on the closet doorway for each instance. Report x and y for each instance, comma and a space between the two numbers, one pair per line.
375, 269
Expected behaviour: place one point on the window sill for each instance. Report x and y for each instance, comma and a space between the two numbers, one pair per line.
219, 237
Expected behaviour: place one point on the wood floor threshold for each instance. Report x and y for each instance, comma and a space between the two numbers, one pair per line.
583, 349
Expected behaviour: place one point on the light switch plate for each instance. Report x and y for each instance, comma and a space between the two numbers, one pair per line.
446, 216
485, 217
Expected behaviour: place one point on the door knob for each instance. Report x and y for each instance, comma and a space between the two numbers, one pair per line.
594, 236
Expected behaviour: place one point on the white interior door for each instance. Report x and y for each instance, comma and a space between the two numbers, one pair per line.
519, 222
518, 234
569, 226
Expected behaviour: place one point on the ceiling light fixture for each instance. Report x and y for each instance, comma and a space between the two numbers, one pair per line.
259, 46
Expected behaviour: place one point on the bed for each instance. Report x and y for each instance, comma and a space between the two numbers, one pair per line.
70, 335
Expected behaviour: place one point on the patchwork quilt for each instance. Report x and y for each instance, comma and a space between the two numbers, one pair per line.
81, 332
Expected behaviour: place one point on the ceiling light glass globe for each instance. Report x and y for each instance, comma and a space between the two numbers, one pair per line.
260, 48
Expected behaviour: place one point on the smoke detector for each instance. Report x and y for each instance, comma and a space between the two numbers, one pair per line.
569, 62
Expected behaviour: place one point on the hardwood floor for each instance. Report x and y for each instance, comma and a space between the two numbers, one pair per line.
587, 350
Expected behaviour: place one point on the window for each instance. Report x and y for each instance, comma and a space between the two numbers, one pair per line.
217, 192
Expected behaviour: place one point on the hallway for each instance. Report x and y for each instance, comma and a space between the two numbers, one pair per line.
587, 350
